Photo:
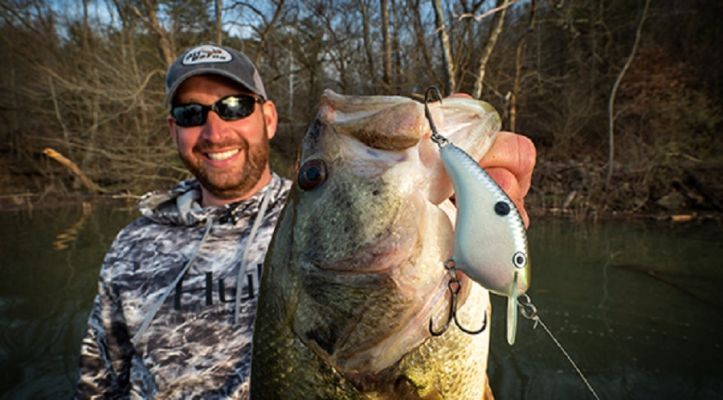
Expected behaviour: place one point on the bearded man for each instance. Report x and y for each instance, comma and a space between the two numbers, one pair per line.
176, 302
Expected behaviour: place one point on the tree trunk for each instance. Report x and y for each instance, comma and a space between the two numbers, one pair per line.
613, 93
397, 50
387, 42
368, 41
518, 67
219, 22
266, 31
489, 47
449, 68
165, 45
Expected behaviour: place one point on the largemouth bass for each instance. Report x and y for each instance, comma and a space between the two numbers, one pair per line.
355, 270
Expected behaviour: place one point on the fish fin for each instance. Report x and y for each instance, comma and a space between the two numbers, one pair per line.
512, 312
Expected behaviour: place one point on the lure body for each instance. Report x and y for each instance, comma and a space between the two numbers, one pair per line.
490, 240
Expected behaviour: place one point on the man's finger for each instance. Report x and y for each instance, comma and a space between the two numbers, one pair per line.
515, 153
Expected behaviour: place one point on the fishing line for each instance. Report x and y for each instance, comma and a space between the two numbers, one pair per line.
529, 311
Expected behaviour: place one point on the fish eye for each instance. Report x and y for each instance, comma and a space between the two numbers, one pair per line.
519, 259
312, 174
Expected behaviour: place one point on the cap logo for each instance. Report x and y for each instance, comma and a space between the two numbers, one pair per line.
206, 54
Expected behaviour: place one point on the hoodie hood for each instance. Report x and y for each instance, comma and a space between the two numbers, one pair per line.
181, 205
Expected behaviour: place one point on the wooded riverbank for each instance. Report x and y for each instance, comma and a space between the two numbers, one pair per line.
621, 97
573, 190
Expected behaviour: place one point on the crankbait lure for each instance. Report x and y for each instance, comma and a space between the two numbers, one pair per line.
490, 242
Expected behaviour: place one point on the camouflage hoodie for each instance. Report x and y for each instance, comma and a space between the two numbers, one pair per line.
163, 323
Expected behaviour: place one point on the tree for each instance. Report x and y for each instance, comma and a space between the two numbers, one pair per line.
611, 117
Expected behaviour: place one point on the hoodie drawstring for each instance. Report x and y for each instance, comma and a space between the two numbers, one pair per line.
249, 243
209, 222
157, 305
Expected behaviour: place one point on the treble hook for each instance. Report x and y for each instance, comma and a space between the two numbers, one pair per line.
454, 286
436, 137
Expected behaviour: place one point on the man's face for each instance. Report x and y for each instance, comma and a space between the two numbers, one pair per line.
229, 158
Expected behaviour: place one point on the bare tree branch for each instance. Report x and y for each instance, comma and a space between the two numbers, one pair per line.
165, 45
449, 66
611, 103
489, 47
487, 13
267, 30
73, 167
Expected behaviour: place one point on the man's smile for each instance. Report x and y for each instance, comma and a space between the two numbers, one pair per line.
223, 155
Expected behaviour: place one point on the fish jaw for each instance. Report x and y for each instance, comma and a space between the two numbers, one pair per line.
401, 114
397, 123
468, 123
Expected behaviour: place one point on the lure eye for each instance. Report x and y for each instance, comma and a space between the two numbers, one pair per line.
519, 259
502, 208
312, 174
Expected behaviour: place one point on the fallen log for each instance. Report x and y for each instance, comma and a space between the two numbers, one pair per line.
73, 167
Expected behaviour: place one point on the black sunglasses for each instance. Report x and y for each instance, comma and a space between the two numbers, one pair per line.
229, 108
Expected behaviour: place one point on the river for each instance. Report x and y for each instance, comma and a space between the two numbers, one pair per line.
634, 304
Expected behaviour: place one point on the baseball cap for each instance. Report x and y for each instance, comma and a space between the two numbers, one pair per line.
216, 60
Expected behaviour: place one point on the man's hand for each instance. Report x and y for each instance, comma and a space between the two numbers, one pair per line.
510, 162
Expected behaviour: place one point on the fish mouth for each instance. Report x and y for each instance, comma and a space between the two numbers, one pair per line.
402, 287
362, 225
355, 343
371, 258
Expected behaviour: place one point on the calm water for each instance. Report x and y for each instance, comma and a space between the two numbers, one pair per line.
635, 304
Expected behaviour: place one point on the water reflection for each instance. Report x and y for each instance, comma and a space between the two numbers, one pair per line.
45, 295
634, 303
